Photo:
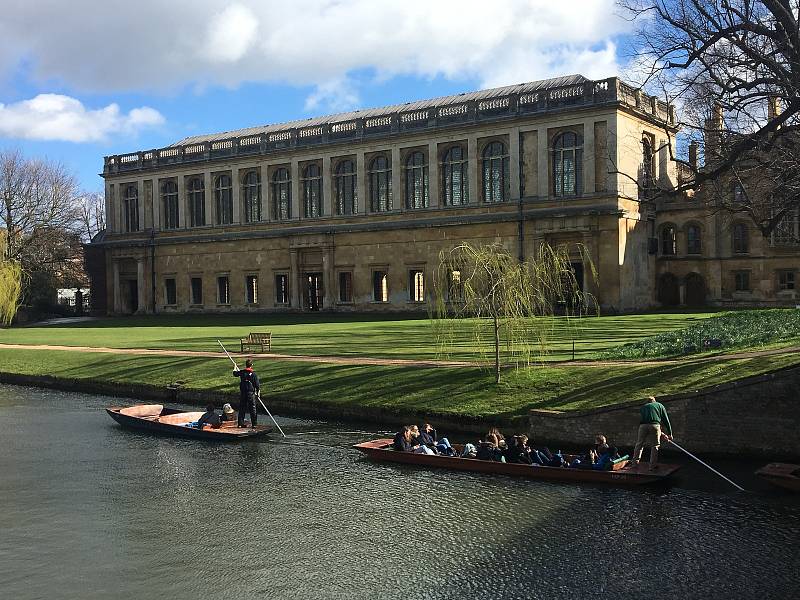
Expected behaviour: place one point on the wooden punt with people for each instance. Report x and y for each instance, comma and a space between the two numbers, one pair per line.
155, 418
382, 450
783, 475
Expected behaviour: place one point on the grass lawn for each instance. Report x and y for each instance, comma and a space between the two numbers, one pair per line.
382, 336
436, 391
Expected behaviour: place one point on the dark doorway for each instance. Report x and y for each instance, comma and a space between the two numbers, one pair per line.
668, 291
577, 268
313, 291
133, 295
695, 290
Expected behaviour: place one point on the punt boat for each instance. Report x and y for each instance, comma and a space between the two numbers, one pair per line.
170, 421
381, 450
781, 474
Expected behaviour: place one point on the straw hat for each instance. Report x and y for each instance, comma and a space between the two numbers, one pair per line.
227, 409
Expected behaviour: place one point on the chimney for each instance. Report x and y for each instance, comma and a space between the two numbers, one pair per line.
714, 127
693, 155
773, 107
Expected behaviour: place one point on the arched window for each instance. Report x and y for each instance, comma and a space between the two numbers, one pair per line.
345, 186
693, 240
281, 195
312, 191
455, 181
131, 207
380, 184
567, 164
668, 241
741, 241
224, 200
416, 181
495, 173
169, 200
647, 179
251, 190
197, 201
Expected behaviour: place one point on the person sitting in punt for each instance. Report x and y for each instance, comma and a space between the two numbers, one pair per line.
496, 438
605, 458
428, 437
405, 441
518, 450
228, 414
541, 457
210, 417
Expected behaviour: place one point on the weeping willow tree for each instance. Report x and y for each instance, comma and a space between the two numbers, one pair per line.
503, 302
10, 290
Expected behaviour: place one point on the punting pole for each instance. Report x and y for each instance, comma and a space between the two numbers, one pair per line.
258, 395
710, 468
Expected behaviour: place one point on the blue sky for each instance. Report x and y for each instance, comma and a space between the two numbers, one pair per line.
80, 80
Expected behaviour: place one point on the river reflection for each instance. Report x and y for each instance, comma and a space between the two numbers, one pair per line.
89, 510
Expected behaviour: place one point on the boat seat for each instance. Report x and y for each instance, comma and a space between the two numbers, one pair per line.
145, 411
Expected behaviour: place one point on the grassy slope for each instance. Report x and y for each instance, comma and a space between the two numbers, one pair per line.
437, 391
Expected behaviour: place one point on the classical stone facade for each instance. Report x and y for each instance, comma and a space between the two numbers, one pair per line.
350, 212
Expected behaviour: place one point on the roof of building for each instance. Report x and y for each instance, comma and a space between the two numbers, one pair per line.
520, 88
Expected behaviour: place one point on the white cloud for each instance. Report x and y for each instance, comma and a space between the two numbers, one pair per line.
62, 118
337, 95
152, 45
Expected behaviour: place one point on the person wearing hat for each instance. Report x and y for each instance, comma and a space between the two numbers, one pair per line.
228, 412
249, 386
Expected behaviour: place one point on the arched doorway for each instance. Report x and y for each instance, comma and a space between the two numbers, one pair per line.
668, 290
695, 290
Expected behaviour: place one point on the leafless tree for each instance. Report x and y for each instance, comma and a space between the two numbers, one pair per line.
92, 215
732, 67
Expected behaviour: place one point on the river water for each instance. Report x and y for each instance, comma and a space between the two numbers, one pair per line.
90, 510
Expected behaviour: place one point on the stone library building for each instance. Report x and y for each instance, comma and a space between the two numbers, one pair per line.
350, 212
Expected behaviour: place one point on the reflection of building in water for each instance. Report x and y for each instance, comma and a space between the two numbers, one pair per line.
350, 212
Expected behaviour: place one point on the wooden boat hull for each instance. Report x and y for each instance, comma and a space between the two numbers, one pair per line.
168, 422
783, 475
381, 450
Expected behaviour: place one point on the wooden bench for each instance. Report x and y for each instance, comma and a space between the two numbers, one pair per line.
263, 339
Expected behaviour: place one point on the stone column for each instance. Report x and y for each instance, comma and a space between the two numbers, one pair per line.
543, 164
294, 173
211, 217
183, 203
612, 143
108, 207
472, 170
236, 186
328, 277
398, 201
155, 194
117, 291
433, 174
588, 157
294, 280
513, 163
140, 286
327, 192
361, 185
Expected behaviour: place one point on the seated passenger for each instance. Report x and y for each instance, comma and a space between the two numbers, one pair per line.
228, 414
539, 457
607, 455
516, 451
210, 417
429, 438
495, 438
402, 440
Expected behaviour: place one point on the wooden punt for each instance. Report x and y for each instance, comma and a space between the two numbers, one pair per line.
382, 450
170, 421
781, 474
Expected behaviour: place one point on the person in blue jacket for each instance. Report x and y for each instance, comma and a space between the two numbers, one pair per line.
249, 386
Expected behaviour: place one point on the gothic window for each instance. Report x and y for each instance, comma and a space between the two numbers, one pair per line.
647, 179
693, 239
345, 186
169, 200
416, 181
455, 181
495, 173
197, 201
668, 241
224, 200
251, 190
380, 184
567, 164
312, 192
130, 206
281, 195
741, 241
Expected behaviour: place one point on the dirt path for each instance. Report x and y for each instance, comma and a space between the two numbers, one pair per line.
401, 362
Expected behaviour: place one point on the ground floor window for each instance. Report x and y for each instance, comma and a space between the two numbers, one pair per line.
786, 280
170, 292
223, 290
380, 286
197, 290
345, 286
416, 285
251, 288
282, 288
741, 281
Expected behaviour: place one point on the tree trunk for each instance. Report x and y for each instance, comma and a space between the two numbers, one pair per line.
496, 349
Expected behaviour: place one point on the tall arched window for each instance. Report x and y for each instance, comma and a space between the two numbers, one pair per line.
312, 192
380, 184
131, 207
693, 240
455, 181
567, 164
197, 201
416, 181
281, 195
169, 200
345, 186
224, 200
495, 173
668, 241
647, 179
741, 241
251, 190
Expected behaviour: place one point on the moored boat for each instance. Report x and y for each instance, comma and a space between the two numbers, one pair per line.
170, 421
382, 450
781, 474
